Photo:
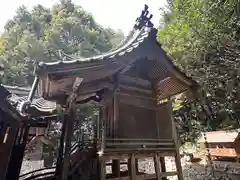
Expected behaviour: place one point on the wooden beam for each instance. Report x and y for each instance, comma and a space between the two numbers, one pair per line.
115, 150
65, 86
149, 103
95, 86
115, 106
145, 176
116, 167
90, 72
139, 143
136, 90
135, 81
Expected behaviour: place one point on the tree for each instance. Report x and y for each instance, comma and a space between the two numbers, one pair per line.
203, 37
36, 36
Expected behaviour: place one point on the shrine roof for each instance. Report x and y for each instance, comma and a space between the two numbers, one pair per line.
17, 95
139, 43
134, 40
139, 55
6, 106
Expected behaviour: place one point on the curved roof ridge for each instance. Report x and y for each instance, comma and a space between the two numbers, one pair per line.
16, 88
104, 55
126, 39
142, 22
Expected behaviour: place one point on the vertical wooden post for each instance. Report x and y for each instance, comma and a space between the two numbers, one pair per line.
61, 146
6, 149
163, 166
136, 164
69, 128
98, 125
115, 106
116, 167
116, 162
3, 132
102, 169
157, 166
178, 162
176, 142
17, 154
133, 173
103, 126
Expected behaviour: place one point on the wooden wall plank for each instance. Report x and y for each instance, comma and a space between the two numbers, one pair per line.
138, 101
135, 81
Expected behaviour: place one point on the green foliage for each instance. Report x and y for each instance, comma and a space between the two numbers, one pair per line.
203, 38
36, 35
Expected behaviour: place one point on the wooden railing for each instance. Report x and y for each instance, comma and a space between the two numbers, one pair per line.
136, 144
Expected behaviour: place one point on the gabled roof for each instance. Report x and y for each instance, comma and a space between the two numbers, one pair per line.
19, 91
139, 49
6, 107
17, 95
220, 136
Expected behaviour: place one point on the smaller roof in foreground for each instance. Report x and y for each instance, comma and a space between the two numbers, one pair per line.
7, 107
18, 95
220, 136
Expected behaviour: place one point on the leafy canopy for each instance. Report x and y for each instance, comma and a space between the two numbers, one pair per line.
38, 34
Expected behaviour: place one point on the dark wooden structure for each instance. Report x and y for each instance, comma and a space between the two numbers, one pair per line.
133, 85
223, 144
10, 122
40, 111
19, 129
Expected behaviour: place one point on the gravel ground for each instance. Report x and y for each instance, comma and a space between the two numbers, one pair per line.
147, 166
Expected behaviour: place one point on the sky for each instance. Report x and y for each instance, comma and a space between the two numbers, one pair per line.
119, 14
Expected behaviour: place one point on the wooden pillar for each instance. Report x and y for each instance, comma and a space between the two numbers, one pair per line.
116, 167
61, 146
116, 162
136, 164
68, 135
157, 166
3, 131
132, 167
176, 142
163, 166
6, 149
102, 169
103, 128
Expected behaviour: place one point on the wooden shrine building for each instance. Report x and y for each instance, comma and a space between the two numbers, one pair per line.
133, 85
223, 144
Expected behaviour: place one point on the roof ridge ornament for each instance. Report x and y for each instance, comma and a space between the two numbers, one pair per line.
144, 20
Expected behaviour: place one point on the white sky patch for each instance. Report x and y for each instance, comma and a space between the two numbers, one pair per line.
109, 13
